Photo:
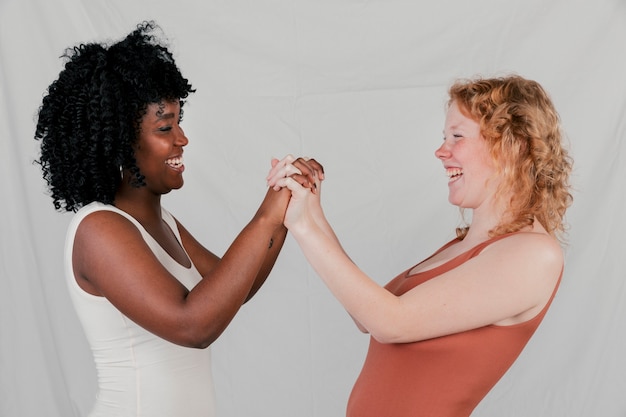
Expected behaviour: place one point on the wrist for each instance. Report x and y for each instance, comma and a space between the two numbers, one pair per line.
303, 228
265, 223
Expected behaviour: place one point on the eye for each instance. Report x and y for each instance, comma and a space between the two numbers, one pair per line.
453, 136
165, 128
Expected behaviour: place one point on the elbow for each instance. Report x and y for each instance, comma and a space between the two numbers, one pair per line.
390, 335
201, 345
195, 342
359, 326
393, 327
196, 338
200, 342
385, 339
402, 337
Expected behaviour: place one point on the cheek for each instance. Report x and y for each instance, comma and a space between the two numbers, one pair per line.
482, 156
144, 159
139, 156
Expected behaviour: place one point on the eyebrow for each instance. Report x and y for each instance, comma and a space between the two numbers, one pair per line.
165, 116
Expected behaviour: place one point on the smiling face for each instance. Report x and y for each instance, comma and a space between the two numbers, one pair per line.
465, 156
159, 147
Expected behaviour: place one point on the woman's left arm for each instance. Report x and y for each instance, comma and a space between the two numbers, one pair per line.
205, 260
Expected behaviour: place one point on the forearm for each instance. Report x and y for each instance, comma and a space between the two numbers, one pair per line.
274, 247
327, 230
320, 220
363, 298
217, 298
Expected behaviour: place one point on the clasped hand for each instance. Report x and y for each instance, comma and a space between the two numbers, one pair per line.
303, 177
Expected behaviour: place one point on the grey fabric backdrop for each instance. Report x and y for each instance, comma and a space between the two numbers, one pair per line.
361, 86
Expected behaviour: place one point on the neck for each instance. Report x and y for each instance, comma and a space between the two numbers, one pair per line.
139, 203
481, 224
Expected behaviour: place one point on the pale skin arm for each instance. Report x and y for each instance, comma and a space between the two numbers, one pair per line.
284, 168
508, 282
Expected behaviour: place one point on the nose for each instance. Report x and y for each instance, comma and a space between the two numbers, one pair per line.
443, 152
181, 138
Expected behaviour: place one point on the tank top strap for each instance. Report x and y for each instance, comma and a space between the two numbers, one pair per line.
97, 206
474, 251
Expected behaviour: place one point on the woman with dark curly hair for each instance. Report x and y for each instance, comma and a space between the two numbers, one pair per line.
151, 299
444, 331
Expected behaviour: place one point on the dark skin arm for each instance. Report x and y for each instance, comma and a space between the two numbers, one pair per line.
111, 258
205, 260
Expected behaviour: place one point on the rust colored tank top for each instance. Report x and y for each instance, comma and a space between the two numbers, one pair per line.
441, 377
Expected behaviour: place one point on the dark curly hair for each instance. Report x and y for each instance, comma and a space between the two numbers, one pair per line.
90, 117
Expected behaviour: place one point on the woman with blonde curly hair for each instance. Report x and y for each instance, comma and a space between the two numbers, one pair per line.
445, 330
524, 138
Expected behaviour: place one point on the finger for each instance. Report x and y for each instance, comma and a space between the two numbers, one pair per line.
290, 170
318, 167
279, 164
284, 172
288, 159
291, 184
305, 182
305, 168
310, 167
277, 174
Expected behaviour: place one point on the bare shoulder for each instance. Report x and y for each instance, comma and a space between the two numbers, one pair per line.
105, 234
537, 253
102, 225
533, 244
529, 265
104, 241
101, 218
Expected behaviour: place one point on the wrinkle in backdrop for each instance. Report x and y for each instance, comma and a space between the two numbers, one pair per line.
361, 86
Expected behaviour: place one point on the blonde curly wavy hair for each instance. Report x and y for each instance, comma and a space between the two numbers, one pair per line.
521, 126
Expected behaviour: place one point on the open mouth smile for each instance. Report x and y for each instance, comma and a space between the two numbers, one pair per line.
176, 163
454, 174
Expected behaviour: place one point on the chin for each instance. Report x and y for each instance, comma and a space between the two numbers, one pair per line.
454, 201
176, 187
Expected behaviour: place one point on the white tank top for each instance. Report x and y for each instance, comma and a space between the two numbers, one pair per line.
139, 373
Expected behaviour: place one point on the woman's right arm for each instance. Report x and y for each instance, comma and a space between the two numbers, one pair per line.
500, 286
284, 168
